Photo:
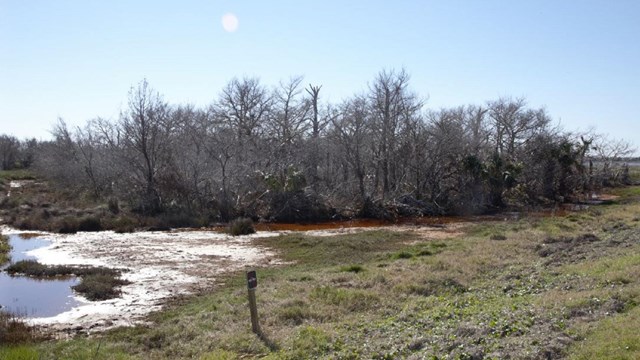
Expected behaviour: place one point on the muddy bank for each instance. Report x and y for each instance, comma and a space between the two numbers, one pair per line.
159, 265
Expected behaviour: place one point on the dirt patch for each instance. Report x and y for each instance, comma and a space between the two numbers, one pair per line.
564, 250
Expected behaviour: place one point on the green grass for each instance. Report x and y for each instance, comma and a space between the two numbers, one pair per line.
629, 191
18, 174
388, 294
613, 338
19, 353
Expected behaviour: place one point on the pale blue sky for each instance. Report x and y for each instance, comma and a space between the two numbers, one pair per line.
76, 59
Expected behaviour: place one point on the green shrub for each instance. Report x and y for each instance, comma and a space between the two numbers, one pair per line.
241, 226
352, 268
425, 252
403, 255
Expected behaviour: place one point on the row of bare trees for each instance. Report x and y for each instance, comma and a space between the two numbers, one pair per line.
281, 153
16, 154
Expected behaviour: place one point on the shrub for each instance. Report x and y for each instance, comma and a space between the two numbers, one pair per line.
352, 268
90, 223
5, 248
498, 237
241, 226
67, 225
100, 286
113, 205
97, 283
14, 331
403, 255
123, 225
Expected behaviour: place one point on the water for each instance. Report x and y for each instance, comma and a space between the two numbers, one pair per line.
29, 297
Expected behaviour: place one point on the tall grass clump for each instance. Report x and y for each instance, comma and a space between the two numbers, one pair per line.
241, 226
5, 248
13, 331
96, 283
100, 286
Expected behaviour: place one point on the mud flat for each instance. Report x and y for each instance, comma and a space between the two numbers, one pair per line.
159, 265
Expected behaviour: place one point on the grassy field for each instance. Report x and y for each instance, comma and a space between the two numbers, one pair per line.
532, 288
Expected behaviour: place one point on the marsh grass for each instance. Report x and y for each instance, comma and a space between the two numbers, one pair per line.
16, 174
5, 249
100, 286
14, 331
241, 226
463, 297
96, 283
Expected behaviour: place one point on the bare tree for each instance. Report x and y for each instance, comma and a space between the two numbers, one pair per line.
391, 102
244, 104
606, 151
351, 133
9, 151
514, 124
146, 135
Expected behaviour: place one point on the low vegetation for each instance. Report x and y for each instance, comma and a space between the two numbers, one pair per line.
96, 283
241, 226
14, 331
552, 287
5, 249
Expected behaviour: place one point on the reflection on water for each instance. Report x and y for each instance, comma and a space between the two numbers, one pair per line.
436, 221
21, 244
30, 297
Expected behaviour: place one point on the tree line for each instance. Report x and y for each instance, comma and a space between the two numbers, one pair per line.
281, 153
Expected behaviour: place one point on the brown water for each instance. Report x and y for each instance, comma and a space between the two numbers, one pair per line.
435, 221
29, 297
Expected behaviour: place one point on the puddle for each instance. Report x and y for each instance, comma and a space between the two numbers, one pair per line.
28, 297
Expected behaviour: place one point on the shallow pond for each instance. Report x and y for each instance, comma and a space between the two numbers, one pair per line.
29, 297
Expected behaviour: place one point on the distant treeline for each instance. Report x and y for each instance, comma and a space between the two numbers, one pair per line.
281, 153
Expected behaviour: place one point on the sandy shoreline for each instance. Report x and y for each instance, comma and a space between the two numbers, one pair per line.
159, 265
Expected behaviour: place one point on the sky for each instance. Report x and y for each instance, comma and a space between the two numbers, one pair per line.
77, 59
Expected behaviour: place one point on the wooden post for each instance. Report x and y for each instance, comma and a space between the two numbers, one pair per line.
252, 284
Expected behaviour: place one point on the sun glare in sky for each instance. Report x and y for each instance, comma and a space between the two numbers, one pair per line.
230, 22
